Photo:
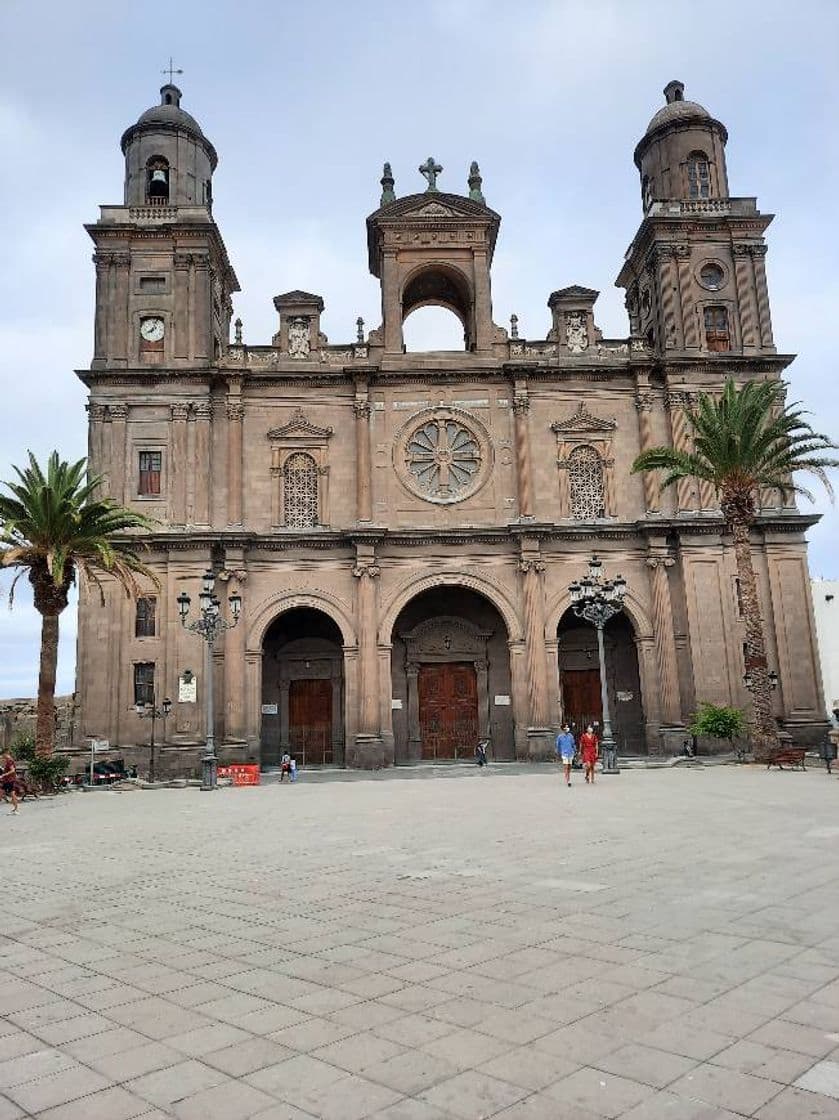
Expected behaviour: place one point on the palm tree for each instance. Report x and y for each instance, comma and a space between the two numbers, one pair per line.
54, 528
743, 441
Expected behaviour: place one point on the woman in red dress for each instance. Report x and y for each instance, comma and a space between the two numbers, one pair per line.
590, 751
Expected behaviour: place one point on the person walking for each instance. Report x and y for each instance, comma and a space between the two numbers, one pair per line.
481, 753
590, 750
565, 748
8, 779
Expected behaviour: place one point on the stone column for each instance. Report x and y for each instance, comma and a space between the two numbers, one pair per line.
677, 404
414, 744
253, 702
762, 292
120, 319
686, 300
521, 406
644, 402
179, 464
235, 417
119, 483
181, 347
391, 309
367, 752
539, 735
744, 283
276, 483
363, 480
665, 641
202, 466
203, 309
234, 651
671, 328
482, 307
96, 448
100, 329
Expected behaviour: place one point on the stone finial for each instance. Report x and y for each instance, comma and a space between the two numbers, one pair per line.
430, 170
475, 181
359, 329
514, 326
388, 182
237, 335
674, 91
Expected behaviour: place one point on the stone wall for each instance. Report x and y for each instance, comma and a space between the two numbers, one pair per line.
18, 716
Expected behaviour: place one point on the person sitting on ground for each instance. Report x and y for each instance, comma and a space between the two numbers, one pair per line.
8, 779
565, 748
285, 765
590, 750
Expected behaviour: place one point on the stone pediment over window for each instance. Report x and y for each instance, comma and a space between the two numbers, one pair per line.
300, 425
583, 421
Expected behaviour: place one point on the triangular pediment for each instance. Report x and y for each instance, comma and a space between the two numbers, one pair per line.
583, 421
300, 425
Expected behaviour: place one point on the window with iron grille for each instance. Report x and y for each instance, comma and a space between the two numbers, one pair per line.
144, 682
717, 334
151, 464
300, 491
699, 175
144, 620
588, 493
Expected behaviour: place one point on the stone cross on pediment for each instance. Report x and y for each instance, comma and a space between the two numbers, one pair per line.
430, 169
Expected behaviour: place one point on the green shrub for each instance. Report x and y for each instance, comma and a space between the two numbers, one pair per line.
46, 773
718, 722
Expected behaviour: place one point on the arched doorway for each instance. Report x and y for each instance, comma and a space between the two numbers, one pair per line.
303, 689
579, 679
450, 671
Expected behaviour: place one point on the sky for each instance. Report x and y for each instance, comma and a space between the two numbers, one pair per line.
304, 102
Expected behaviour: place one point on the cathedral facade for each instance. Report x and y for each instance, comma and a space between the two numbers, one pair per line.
403, 527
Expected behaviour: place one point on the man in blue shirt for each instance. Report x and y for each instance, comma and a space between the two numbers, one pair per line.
565, 751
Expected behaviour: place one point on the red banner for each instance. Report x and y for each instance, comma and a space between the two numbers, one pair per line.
242, 773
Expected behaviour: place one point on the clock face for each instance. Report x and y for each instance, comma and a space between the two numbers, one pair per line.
151, 330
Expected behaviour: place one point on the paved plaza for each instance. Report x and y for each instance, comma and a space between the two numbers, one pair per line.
662, 946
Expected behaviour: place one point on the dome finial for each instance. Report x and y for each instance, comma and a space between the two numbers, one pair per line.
674, 91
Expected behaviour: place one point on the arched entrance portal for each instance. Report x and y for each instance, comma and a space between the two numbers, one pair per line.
579, 679
303, 689
450, 672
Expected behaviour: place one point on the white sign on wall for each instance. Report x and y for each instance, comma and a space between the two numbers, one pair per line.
187, 689
395, 705
502, 701
269, 709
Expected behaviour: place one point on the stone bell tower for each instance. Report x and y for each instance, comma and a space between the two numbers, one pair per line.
434, 248
694, 275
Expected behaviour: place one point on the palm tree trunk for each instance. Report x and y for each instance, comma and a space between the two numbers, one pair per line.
764, 728
45, 720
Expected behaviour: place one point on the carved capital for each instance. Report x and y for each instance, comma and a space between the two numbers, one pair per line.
759, 250
372, 571
235, 410
741, 249
122, 260
202, 410
521, 404
96, 412
644, 401
528, 564
682, 252
180, 411
664, 561
362, 409
678, 398
118, 411
662, 253
182, 260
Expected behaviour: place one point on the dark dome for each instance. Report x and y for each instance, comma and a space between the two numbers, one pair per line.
170, 115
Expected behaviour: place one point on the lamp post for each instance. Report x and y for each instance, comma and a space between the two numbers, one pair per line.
209, 625
152, 712
596, 600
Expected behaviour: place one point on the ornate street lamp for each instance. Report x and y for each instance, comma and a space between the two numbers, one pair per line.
596, 600
209, 625
152, 712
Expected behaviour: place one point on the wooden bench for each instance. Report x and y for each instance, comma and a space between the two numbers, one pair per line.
787, 756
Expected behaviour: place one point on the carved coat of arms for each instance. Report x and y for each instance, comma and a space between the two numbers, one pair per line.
298, 338
576, 335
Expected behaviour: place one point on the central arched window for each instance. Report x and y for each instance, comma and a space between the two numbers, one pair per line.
300, 491
157, 181
432, 328
585, 476
699, 176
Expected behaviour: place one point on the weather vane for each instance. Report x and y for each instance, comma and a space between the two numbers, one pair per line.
171, 70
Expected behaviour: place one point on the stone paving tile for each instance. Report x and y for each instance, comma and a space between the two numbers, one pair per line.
473, 1094
109, 1104
230, 1101
412, 1110
174, 1083
466, 1048
531, 1068
764, 1061
410, 1071
247, 1057
541, 1107
799, 1104
645, 1064
726, 1088
785, 1035
351, 1098
357, 1051
296, 1075
313, 1033
604, 1094
9, 1111
122, 1065
821, 1078
667, 1106
57, 1088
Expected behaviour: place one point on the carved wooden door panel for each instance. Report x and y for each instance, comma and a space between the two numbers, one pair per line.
448, 710
310, 721
581, 700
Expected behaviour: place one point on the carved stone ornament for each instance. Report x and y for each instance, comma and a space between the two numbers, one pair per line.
644, 401
583, 421
576, 332
299, 424
299, 345
362, 409
444, 455
528, 564
372, 571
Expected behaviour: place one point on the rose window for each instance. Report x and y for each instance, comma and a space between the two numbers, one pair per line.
443, 459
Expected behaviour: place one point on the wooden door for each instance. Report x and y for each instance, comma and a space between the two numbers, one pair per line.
448, 710
310, 721
581, 700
